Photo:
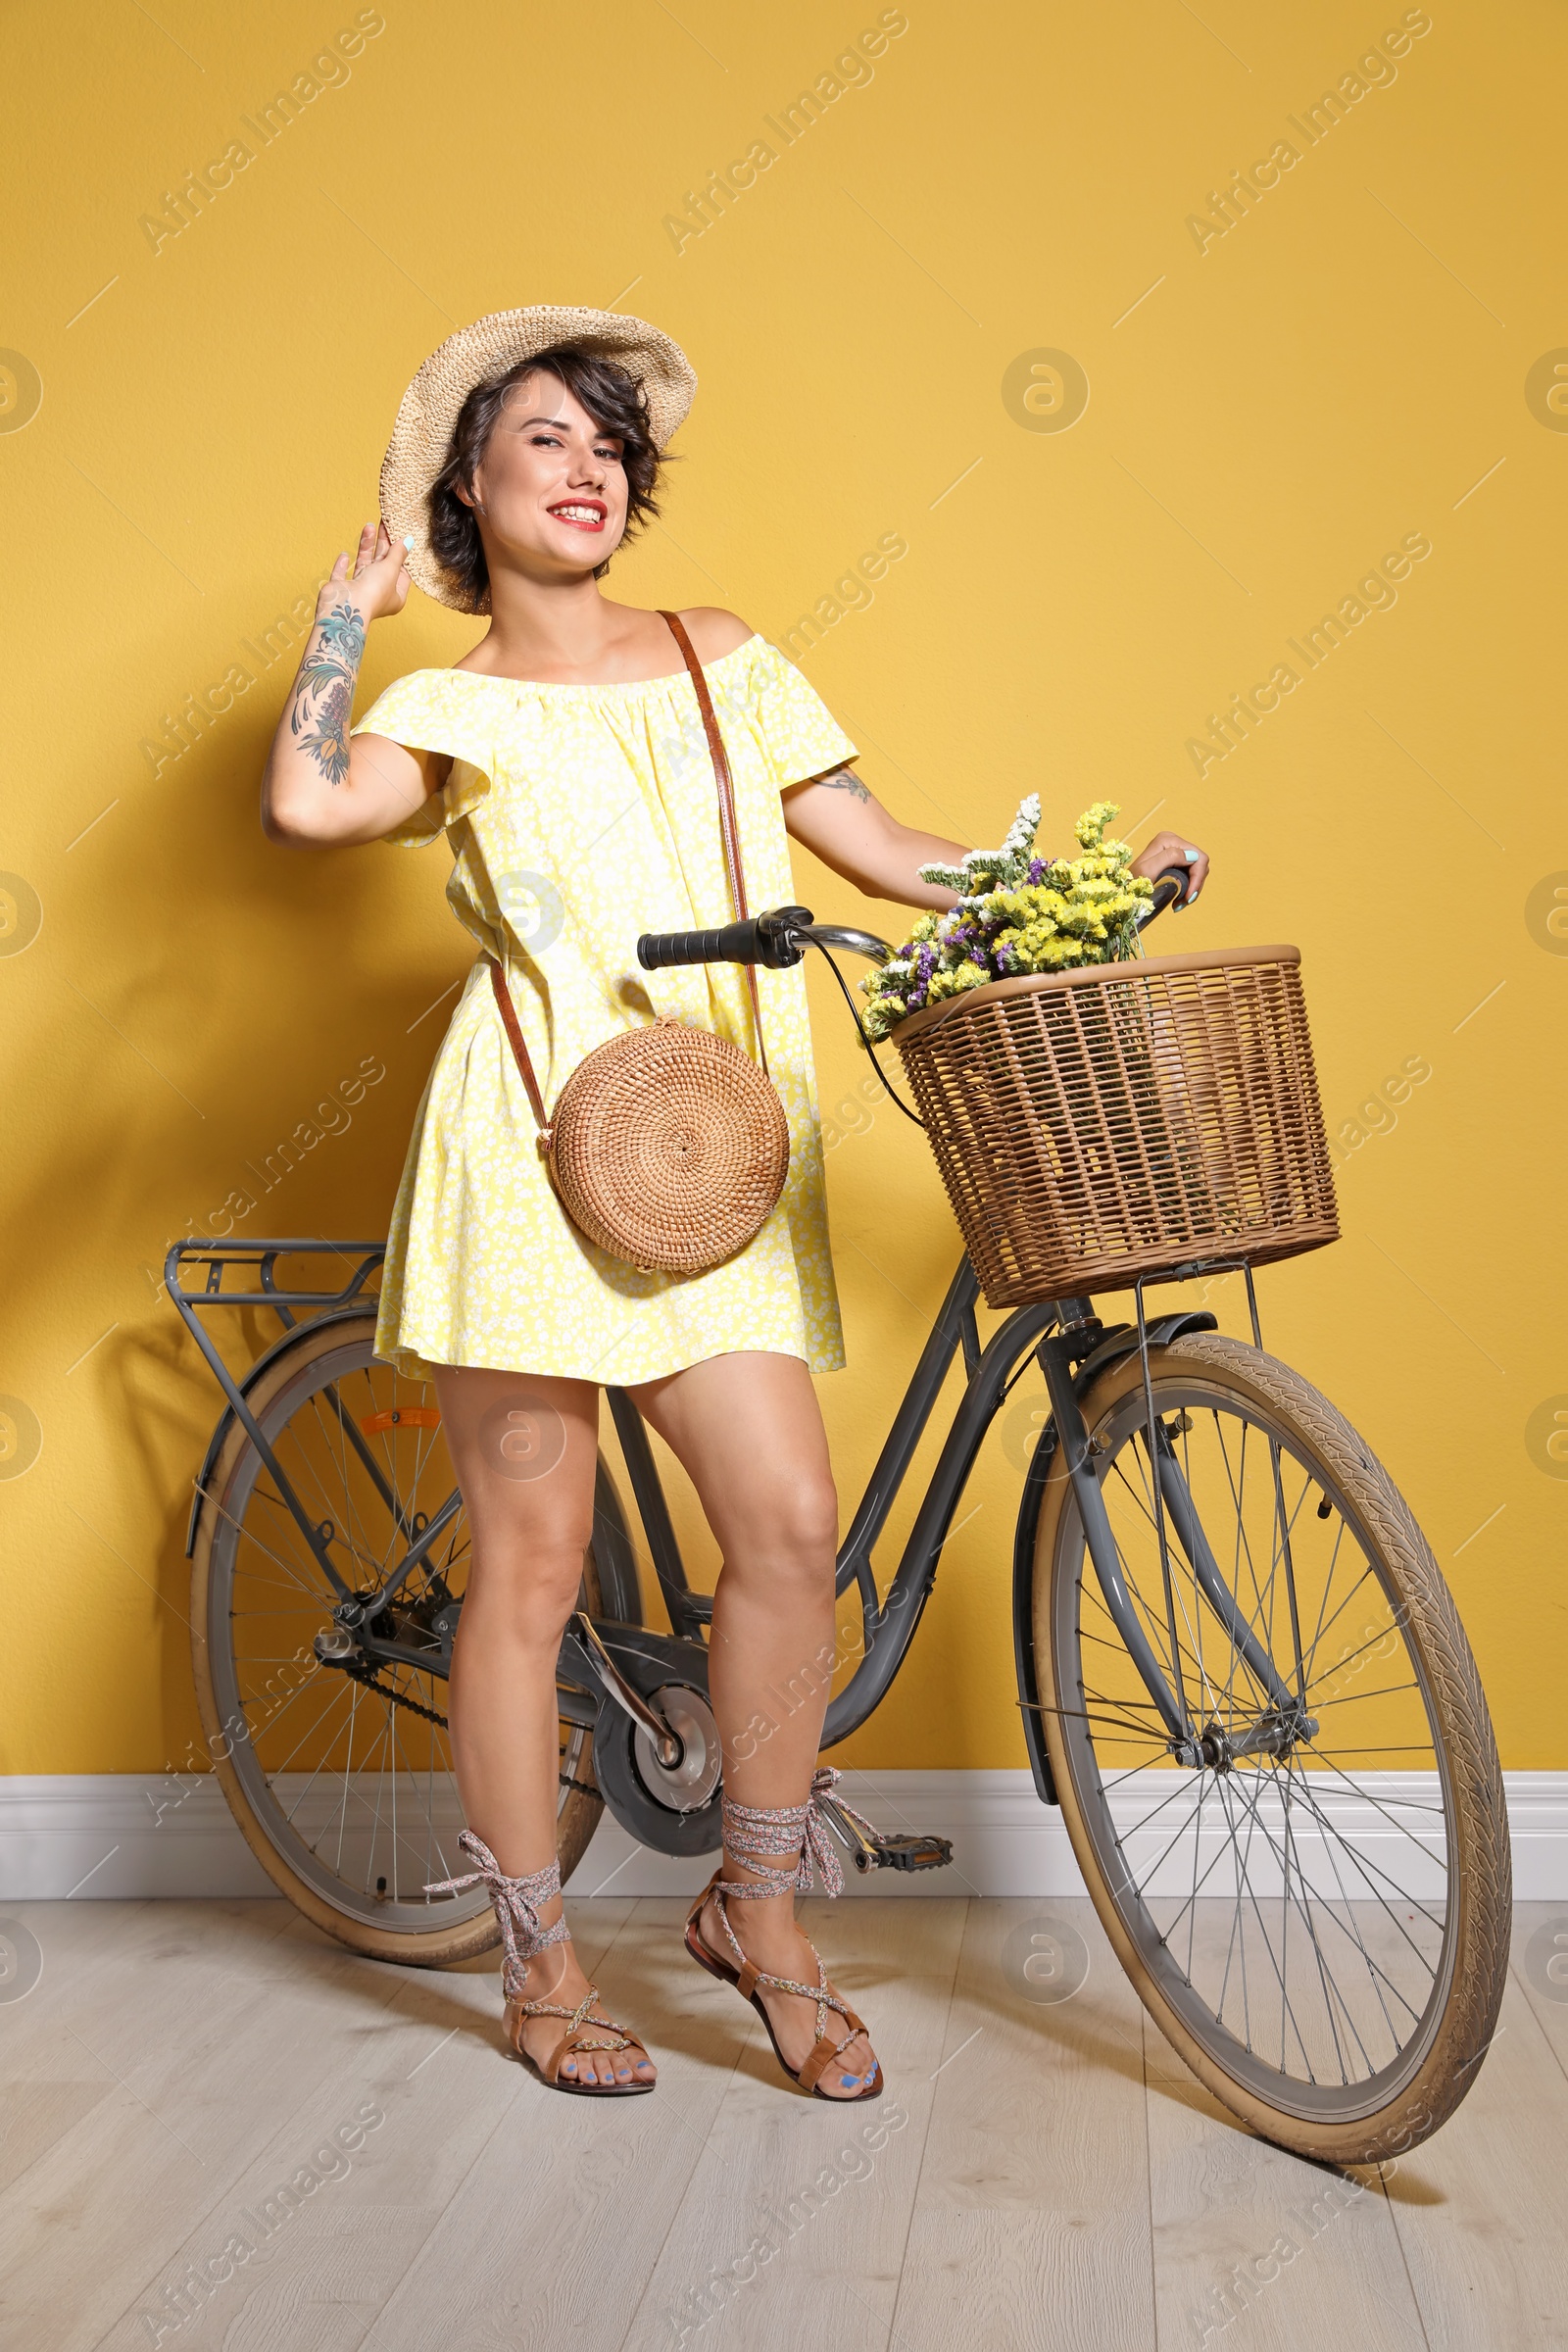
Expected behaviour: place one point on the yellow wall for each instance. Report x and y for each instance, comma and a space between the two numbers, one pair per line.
1270, 411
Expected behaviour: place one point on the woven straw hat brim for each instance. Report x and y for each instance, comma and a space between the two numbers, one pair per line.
422, 433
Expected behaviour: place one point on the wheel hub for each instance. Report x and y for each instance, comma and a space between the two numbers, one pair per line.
1273, 1735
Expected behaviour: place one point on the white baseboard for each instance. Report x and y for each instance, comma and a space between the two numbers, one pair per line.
133, 1834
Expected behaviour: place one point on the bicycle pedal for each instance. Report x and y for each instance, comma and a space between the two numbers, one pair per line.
908, 1854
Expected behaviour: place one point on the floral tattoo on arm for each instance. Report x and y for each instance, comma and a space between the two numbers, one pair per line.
844, 780
324, 691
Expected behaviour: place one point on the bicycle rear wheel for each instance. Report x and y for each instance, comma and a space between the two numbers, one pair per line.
1316, 1914
344, 1787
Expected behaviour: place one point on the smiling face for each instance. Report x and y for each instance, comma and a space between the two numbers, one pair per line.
550, 492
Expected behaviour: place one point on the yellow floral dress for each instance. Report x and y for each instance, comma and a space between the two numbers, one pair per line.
579, 816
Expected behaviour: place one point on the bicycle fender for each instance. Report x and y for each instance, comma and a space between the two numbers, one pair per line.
1023, 1621
1122, 1339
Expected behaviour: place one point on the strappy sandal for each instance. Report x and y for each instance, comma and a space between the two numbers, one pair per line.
756, 1836
575, 2037
517, 1904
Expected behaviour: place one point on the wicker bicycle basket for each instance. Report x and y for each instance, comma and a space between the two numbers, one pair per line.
1125, 1120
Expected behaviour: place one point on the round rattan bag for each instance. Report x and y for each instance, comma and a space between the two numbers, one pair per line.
668, 1148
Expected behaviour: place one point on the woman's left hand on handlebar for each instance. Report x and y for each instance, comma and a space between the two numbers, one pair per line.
1167, 850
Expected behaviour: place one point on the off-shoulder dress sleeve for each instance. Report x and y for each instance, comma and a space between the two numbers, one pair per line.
428, 711
798, 734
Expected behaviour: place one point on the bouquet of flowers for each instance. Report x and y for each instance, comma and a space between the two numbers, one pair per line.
1017, 913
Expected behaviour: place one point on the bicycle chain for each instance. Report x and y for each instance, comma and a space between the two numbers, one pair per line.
400, 1698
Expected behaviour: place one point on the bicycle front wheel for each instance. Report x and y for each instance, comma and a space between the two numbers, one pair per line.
342, 1780
1316, 1908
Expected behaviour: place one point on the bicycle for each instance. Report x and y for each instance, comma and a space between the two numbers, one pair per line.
1212, 1575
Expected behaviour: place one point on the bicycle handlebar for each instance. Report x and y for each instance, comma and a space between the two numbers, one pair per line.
779, 937
773, 939
1170, 889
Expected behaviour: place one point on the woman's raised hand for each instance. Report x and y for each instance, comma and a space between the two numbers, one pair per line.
322, 784
379, 582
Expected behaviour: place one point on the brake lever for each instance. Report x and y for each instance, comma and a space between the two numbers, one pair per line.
778, 931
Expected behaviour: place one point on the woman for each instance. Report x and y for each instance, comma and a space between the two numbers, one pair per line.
566, 759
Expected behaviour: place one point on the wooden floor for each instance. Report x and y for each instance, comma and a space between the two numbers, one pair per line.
1034, 2176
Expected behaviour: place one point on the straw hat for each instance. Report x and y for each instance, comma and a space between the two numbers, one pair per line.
422, 433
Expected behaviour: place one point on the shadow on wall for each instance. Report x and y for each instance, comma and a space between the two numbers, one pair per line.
275, 1093
307, 1011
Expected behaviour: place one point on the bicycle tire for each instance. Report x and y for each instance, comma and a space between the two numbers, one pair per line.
1397, 2106
322, 1356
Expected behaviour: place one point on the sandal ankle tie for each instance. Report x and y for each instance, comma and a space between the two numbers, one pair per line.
517, 1904
756, 1835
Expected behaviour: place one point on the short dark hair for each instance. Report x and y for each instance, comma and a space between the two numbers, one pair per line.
612, 398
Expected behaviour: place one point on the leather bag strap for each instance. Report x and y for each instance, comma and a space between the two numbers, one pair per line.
519, 1046
728, 824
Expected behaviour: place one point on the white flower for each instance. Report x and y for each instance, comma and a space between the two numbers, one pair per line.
1025, 825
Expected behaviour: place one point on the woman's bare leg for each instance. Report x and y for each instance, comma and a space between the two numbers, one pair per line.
747, 1430
524, 1452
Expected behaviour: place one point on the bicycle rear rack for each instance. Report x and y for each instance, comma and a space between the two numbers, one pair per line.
263, 1255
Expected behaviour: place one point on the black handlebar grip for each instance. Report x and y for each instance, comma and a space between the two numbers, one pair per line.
735, 943
1170, 890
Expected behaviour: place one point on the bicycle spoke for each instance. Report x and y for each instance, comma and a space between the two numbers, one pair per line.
1263, 1830
249, 1536
1320, 1628
348, 1770
1352, 1928
286, 1518
1374, 1638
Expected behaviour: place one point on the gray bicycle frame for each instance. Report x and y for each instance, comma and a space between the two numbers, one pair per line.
648, 1659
